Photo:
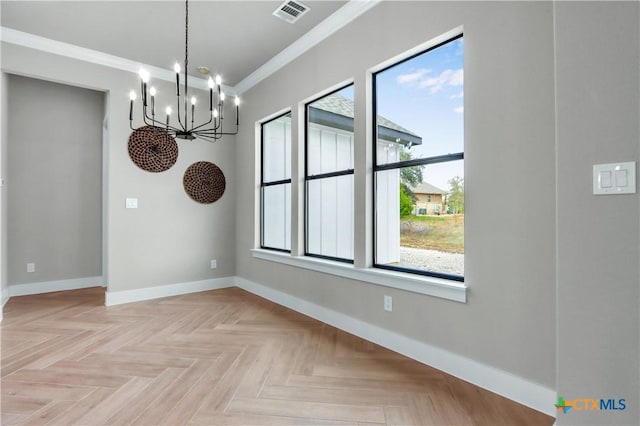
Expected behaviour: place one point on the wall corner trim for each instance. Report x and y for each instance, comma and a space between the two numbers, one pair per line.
3, 301
503, 383
127, 296
51, 286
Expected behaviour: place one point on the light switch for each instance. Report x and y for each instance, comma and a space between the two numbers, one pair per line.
605, 179
621, 178
131, 203
614, 178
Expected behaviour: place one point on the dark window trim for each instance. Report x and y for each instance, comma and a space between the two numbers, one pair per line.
308, 177
420, 162
447, 41
421, 272
264, 184
336, 259
275, 249
331, 174
402, 164
276, 182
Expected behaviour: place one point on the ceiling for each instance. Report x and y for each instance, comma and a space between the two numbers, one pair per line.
233, 38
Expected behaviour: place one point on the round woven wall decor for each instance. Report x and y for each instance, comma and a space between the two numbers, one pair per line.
152, 149
204, 182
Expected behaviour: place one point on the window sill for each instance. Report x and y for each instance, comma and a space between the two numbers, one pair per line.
445, 289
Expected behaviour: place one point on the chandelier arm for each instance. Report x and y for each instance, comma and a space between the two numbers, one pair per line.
208, 138
218, 133
171, 128
202, 125
179, 118
235, 132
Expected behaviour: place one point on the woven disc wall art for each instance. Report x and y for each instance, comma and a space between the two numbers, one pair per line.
204, 182
152, 149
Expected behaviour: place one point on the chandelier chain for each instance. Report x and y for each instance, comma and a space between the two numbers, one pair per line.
186, 36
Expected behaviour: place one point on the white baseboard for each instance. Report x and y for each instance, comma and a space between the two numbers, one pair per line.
119, 297
50, 286
516, 388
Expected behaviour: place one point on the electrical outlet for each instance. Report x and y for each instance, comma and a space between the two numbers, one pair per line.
31, 267
388, 303
214, 264
131, 203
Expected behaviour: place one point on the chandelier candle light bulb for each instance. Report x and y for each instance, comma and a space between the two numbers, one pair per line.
210, 130
168, 111
152, 92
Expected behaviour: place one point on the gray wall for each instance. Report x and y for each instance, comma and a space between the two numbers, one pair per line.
170, 238
55, 177
509, 320
598, 86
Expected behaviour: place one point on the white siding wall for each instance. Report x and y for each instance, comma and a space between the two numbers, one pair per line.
387, 200
330, 208
277, 199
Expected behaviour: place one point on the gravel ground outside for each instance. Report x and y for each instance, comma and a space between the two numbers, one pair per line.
452, 263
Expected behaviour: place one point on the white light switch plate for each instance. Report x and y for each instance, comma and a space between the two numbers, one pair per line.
614, 178
131, 203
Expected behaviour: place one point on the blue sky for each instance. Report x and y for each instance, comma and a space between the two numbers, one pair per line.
426, 96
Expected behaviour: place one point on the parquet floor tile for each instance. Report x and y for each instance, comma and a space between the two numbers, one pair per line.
223, 357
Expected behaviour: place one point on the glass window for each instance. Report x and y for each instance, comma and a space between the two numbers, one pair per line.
276, 184
329, 176
419, 163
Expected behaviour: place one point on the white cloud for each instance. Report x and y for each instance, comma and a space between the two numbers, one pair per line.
413, 77
457, 79
459, 110
457, 96
451, 78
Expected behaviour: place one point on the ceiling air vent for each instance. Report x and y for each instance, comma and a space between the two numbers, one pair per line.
291, 11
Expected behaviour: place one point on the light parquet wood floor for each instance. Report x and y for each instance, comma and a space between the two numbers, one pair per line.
223, 357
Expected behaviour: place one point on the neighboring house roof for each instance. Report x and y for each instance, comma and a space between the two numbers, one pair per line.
427, 188
337, 111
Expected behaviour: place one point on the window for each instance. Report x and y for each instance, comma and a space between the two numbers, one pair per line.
423, 93
329, 176
276, 184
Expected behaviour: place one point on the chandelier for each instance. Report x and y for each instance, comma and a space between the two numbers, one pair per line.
184, 127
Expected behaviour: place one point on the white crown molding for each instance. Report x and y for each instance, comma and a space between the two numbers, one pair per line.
324, 29
51, 286
503, 383
32, 41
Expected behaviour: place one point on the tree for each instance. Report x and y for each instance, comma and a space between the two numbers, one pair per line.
455, 199
406, 203
409, 177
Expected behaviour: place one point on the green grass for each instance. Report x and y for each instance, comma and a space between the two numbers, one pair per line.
443, 233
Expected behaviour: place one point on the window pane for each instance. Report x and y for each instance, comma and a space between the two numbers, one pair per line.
276, 149
330, 133
420, 106
330, 217
421, 225
276, 216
